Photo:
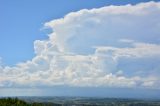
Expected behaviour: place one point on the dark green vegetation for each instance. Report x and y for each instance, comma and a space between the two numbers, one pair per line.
75, 101
18, 102
10, 102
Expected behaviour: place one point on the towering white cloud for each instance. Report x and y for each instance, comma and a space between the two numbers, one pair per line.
112, 46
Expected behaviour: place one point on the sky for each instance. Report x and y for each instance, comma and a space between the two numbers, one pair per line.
22, 22
80, 48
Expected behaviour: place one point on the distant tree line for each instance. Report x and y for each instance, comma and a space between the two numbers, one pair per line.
18, 102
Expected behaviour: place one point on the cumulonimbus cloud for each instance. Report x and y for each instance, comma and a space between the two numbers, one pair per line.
112, 46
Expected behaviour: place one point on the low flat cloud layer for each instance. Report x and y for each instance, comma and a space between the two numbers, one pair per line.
112, 46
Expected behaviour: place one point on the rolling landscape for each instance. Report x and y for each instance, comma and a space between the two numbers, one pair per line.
75, 101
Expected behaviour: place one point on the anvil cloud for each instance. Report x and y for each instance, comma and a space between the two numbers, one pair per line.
112, 46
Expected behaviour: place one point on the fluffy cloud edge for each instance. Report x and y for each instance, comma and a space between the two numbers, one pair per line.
56, 63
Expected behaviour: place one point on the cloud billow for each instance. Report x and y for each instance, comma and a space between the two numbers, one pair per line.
103, 47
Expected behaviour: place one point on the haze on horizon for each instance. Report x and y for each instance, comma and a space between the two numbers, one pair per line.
107, 49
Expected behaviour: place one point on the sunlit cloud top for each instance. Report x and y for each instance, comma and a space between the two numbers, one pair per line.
112, 46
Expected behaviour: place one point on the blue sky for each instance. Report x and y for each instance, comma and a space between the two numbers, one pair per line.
21, 23
100, 46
